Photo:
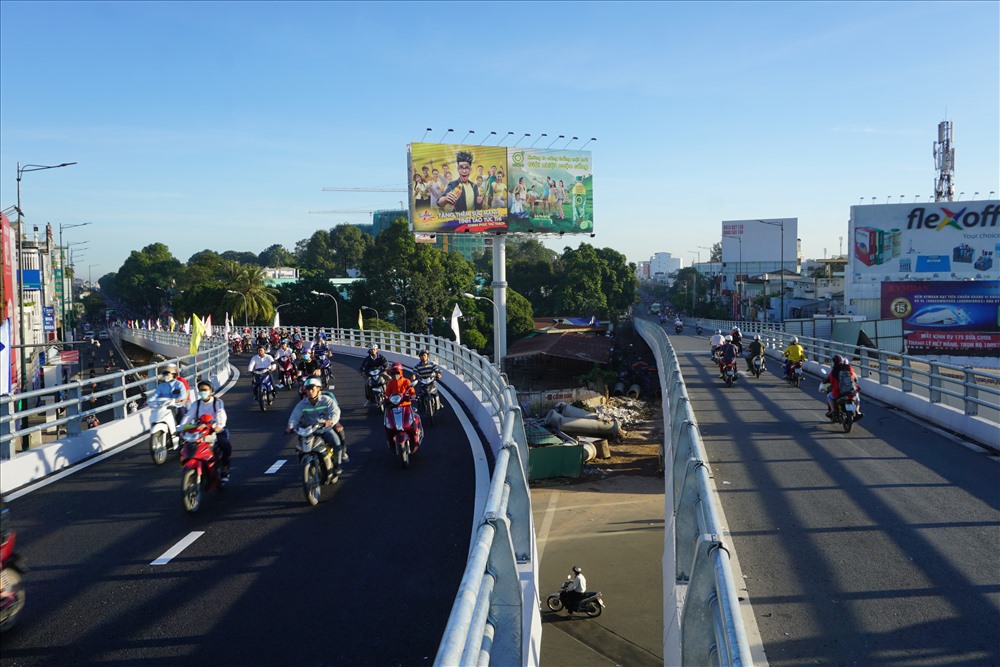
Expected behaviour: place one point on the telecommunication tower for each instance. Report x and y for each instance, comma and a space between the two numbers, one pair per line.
944, 162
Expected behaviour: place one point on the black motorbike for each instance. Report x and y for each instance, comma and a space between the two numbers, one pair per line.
591, 604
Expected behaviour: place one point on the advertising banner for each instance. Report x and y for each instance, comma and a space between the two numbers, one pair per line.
551, 191
756, 241
8, 362
946, 317
457, 189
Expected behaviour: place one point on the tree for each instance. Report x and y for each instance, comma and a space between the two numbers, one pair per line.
248, 280
314, 254
619, 282
716, 252
348, 245
242, 257
275, 256
146, 275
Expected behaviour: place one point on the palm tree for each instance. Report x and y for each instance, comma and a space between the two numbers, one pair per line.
248, 280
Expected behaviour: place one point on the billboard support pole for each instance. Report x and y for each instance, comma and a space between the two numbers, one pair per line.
500, 298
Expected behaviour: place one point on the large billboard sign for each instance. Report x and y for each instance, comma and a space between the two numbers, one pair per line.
457, 189
932, 241
946, 317
759, 241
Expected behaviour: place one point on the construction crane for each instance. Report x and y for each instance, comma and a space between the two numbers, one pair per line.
342, 211
375, 189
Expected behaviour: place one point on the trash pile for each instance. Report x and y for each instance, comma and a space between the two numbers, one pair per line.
627, 411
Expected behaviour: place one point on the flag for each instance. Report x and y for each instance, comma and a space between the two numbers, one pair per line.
5, 367
361, 322
277, 321
173, 323
455, 314
208, 326
229, 328
197, 331
187, 326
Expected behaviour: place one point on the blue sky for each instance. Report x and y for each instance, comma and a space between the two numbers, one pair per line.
217, 125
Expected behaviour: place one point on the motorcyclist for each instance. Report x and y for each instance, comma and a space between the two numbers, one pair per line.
426, 369
307, 365
168, 386
737, 338
727, 354
262, 340
261, 361
678, 323
319, 348
372, 361
319, 407
573, 593
754, 349
283, 353
210, 404
400, 385
842, 381
793, 354
716, 340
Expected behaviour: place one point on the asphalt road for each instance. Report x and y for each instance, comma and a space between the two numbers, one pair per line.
368, 577
876, 547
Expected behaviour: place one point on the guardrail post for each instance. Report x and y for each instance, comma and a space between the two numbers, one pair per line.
74, 397
883, 367
697, 619
907, 373
505, 604
686, 520
971, 392
119, 397
519, 505
935, 382
6, 428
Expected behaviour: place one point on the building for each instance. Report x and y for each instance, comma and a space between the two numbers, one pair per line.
662, 265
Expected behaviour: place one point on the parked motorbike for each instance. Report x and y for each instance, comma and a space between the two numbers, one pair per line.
286, 372
795, 373
319, 465
592, 604
402, 429
375, 384
163, 432
757, 365
729, 373
199, 464
263, 388
428, 398
12, 570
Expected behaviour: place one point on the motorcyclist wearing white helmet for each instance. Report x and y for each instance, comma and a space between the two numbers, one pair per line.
716, 341
319, 407
727, 354
794, 353
573, 593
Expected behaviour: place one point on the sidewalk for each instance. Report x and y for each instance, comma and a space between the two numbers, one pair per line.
612, 527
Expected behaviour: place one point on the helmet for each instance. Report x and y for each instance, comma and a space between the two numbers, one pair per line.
314, 382
373, 348
322, 336
729, 339
396, 368
206, 419
284, 341
205, 383
170, 368
718, 332
793, 340
736, 330
577, 569
838, 360
756, 336
423, 352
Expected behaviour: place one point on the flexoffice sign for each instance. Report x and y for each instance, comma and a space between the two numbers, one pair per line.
962, 219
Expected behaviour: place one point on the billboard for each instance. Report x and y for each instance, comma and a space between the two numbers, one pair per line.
936, 240
457, 189
760, 242
946, 317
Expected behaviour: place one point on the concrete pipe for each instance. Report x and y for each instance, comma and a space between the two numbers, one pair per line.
634, 391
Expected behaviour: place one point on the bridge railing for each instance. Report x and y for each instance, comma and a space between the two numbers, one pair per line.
706, 628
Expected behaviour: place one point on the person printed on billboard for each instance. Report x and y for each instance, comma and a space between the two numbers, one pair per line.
462, 194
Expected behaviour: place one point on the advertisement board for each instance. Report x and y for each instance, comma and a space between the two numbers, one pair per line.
946, 317
935, 240
760, 242
455, 189
9, 315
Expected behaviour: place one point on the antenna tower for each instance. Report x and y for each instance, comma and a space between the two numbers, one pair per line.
944, 162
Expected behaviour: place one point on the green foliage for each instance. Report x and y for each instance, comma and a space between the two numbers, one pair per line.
145, 276
275, 256
348, 245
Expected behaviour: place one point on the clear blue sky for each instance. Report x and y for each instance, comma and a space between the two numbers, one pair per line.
217, 125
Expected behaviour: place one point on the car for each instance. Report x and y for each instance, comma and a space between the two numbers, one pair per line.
88, 335
103, 335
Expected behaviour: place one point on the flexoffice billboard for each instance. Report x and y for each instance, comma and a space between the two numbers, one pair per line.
946, 317
461, 189
936, 240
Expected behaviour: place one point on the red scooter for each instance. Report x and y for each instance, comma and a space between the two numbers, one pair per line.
795, 373
12, 568
286, 372
403, 430
199, 464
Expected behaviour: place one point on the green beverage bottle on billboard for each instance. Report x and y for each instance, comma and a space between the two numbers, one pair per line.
579, 193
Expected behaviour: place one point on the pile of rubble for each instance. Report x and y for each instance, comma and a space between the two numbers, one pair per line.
627, 411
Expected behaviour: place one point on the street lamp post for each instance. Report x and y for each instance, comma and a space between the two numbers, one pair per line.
246, 305
781, 224
393, 303
335, 304
496, 326
62, 267
20, 260
739, 270
372, 309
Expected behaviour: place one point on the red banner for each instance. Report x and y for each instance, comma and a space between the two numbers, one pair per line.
69, 357
971, 342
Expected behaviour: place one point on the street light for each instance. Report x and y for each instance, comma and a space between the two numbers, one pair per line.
496, 326
334, 303
20, 259
373, 310
246, 305
393, 303
739, 269
62, 267
780, 223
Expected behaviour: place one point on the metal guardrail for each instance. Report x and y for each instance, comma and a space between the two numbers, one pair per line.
486, 623
711, 630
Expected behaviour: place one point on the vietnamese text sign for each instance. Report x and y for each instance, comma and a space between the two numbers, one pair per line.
958, 317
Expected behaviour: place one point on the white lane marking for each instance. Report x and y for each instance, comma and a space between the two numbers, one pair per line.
543, 533
277, 465
169, 554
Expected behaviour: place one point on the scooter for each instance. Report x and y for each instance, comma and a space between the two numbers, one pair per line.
319, 465
795, 373
263, 389
592, 604
326, 367
428, 398
845, 412
697, 330
163, 432
376, 387
678, 328
286, 372
729, 373
12, 569
199, 465
402, 429
757, 365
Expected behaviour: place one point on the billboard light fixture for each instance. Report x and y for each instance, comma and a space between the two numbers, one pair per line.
537, 140
486, 137
570, 141
504, 138
425, 134
521, 139
588, 141
471, 132
561, 136
445, 135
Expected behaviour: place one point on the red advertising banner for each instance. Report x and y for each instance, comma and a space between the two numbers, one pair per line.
7, 287
69, 357
946, 316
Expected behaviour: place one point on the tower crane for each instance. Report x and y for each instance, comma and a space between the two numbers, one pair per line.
374, 189
356, 211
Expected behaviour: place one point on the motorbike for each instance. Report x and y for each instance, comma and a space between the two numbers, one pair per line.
844, 411
757, 365
698, 330
319, 465
729, 373
263, 389
286, 372
592, 604
404, 429
326, 368
12, 570
428, 398
199, 464
163, 432
678, 328
237, 346
795, 373
376, 387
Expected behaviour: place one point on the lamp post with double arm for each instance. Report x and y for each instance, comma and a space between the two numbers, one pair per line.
335, 304
781, 224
